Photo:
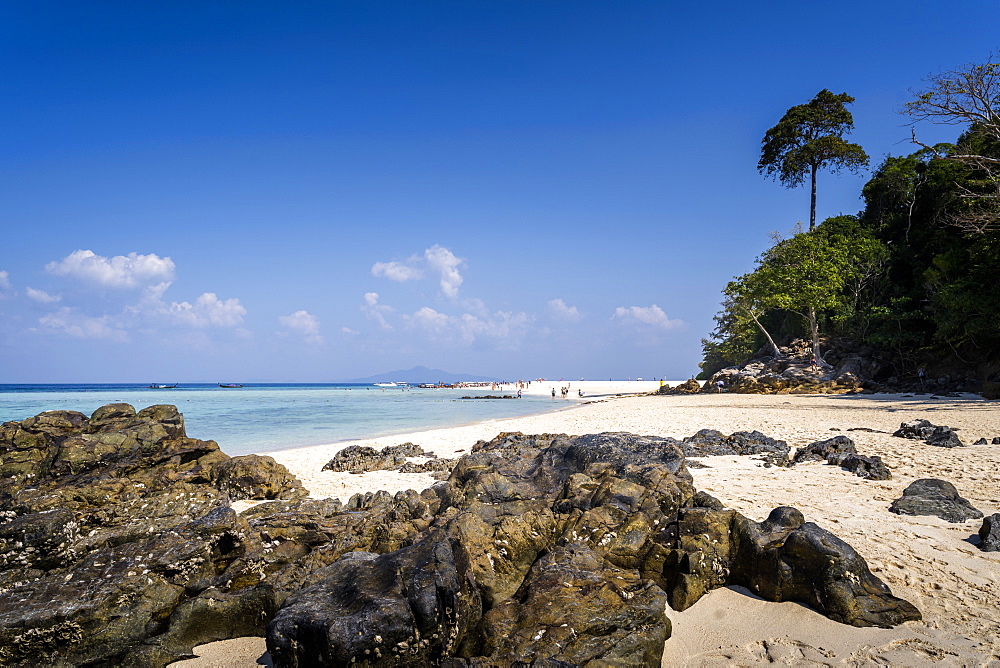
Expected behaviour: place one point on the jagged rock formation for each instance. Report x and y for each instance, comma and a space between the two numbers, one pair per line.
931, 434
115, 531
118, 547
559, 549
930, 496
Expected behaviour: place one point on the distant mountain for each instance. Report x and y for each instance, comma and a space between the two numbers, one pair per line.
421, 374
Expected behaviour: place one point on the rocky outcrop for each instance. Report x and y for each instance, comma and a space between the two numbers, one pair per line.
118, 547
363, 459
931, 434
785, 376
870, 467
795, 372
690, 386
821, 450
989, 534
782, 558
257, 477
841, 451
569, 547
709, 442
930, 496
440, 468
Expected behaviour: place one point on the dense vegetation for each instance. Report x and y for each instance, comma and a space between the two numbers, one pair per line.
914, 278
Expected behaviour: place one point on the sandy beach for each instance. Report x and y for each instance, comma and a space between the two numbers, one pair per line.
925, 560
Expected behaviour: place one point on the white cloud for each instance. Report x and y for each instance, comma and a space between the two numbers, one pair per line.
440, 262
207, 311
559, 309
652, 316
80, 326
397, 271
303, 323
376, 311
347, 331
432, 321
121, 271
444, 262
6, 289
503, 329
41, 296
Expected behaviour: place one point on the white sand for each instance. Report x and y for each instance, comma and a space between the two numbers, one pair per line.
927, 561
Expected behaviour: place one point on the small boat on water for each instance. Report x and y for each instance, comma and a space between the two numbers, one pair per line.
158, 386
230, 385
385, 384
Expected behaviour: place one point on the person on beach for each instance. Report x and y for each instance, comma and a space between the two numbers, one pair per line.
720, 384
553, 393
519, 394
921, 375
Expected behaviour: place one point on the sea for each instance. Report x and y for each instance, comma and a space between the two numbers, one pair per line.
260, 418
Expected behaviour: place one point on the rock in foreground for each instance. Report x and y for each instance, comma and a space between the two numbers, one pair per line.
118, 547
559, 550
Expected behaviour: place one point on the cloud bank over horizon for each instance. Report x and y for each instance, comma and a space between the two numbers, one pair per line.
123, 301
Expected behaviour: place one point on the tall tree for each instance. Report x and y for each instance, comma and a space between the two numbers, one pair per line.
810, 137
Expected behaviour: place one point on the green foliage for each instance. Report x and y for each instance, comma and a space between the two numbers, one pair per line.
916, 275
810, 137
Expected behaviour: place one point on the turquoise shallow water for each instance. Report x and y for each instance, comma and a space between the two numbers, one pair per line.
263, 418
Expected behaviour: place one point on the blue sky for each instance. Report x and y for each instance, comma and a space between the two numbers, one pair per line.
314, 191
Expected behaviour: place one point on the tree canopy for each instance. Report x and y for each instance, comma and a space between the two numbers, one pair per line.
810, 137
968, 96
911, 279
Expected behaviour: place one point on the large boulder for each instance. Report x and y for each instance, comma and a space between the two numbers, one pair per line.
257, 477
930, 496
783, 558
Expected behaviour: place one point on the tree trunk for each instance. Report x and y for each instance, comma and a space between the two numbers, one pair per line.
812, 198
774, 346
814, 330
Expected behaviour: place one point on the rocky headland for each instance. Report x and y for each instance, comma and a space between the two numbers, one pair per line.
844, 369
119, 546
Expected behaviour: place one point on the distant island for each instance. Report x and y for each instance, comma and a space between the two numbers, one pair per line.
421, 374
